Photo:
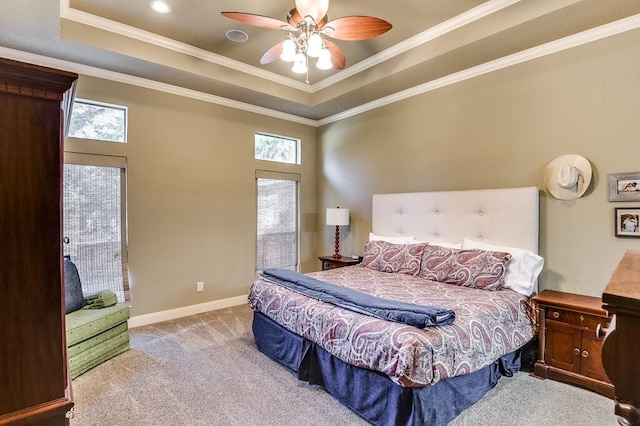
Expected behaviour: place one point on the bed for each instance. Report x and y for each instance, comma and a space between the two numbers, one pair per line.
467, 260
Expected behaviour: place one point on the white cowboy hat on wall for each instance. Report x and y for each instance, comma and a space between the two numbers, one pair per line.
567, 177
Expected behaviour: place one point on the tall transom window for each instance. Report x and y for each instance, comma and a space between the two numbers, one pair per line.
94, 221
277, 244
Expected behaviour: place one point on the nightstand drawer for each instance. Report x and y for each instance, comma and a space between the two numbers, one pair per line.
330, 265
330, 262
576, 318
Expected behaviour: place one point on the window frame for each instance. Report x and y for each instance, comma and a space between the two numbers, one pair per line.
278, 175
298, 142
98, 160
105, 105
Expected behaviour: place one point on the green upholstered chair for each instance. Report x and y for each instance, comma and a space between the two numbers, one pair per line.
96, 325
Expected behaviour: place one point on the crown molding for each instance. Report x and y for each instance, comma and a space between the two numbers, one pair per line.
588, 36
478, 12
75, 15
432, 33
595, 34
19, 55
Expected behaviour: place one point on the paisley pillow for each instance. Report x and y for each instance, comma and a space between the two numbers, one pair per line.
478, 269
389, 257
436, 262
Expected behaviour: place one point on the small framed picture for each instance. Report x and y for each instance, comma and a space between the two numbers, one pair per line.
624, 186
627, 222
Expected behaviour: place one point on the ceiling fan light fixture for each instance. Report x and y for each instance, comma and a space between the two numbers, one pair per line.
309, 30
316, 9
300, 63
314, 45
324, 59
288, 50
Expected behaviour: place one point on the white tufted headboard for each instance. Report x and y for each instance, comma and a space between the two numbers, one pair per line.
507, 217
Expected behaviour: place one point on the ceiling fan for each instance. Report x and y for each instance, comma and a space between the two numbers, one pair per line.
306, 23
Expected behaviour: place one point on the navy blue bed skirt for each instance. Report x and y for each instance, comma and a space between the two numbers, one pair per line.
371, 394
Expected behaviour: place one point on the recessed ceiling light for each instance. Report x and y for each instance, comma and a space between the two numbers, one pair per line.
237, 36
160, 7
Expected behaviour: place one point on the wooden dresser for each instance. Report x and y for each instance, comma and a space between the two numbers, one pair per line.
34, 385
569, 350
621, 348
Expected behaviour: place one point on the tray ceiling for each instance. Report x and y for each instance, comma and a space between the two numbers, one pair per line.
430, 41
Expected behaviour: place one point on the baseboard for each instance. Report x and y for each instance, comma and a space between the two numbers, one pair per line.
146, 319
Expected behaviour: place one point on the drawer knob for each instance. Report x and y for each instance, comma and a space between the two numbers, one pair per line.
585, 354
556, 314
600, 331
576, 351
581, 317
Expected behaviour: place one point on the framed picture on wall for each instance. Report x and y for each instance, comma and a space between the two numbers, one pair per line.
627, 222
624, 186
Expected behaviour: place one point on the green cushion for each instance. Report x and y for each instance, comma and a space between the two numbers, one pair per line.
100, 300
99, 353
74, 350
84, 324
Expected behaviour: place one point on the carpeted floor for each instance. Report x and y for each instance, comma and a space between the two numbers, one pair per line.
205, 370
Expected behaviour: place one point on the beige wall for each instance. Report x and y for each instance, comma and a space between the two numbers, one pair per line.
191, 193
500, 130
191, 169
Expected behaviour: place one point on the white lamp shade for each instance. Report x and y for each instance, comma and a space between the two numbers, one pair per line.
299, 63
338, 217
314, 46
324, 60
288, 50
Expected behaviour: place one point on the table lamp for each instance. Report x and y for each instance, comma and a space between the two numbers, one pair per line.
338, 217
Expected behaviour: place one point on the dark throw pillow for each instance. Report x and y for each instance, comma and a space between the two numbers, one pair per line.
73, 298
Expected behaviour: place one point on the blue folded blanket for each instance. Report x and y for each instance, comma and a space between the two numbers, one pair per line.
417, 315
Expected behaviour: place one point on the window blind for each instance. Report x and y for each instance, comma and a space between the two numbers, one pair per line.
277, 227
94, 225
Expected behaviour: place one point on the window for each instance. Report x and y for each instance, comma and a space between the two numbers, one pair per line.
94, 221
99, 121
277, 239
277, 148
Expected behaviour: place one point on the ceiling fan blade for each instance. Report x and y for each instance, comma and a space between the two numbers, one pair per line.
337, 56
356, 28
294, 18
272, 54
317, 9
257, 20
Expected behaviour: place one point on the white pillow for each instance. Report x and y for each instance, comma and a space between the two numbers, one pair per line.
392, 240
457, 246
522, 270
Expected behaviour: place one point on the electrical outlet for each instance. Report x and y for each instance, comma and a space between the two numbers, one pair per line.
200, 286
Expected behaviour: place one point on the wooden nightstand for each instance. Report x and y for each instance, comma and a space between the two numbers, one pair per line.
569, 350
329, 262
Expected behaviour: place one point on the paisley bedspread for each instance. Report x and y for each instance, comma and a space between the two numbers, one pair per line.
488, 324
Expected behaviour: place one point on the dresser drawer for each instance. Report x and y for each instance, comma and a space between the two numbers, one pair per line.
576, 318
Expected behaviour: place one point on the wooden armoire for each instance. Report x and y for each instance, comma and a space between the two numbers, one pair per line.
34, 385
